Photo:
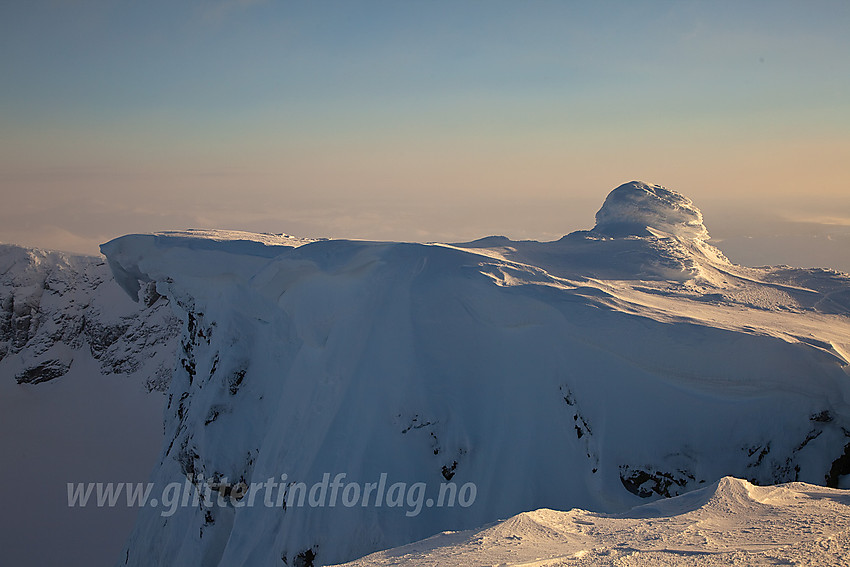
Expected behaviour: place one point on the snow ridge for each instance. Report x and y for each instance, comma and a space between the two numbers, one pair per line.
729, 522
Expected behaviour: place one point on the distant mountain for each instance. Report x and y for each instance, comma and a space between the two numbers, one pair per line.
56, 307
613, 367
83, 370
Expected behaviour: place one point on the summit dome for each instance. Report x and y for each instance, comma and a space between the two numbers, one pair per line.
633, 207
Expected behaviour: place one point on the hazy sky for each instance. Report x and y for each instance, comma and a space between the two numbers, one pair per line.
421, 120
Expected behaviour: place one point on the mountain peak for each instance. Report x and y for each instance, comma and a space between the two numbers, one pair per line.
633, 208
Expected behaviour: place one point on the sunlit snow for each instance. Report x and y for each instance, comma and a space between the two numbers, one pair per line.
611, 368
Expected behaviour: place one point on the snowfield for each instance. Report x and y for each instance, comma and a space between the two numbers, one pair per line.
614, 367
731, 522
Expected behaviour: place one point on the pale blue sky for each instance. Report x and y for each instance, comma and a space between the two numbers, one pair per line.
414, 120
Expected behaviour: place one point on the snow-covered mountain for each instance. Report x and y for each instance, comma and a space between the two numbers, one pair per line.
610, 368
82, 369
57, 307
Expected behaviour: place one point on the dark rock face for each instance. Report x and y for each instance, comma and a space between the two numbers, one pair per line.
43, 372
650, 482
840, 467
56, 308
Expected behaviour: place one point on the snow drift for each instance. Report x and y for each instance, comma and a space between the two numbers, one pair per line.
730, 522
618, 365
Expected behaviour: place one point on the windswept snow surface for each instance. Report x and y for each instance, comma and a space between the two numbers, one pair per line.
731, 522
613, 367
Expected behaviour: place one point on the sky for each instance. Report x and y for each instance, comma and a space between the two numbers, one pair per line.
424, 120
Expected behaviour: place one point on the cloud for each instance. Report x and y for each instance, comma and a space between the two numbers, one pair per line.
826, 220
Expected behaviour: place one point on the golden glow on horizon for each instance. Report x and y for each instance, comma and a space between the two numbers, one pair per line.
388, 120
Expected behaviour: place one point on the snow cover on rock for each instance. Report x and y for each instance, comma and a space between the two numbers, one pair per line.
731, 522
600, 371
635, 208
82, 370
57, 307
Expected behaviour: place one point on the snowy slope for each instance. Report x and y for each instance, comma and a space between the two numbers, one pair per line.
731, 522
614, 366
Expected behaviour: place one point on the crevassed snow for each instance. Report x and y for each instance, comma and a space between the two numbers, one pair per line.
731, 522
599, 371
